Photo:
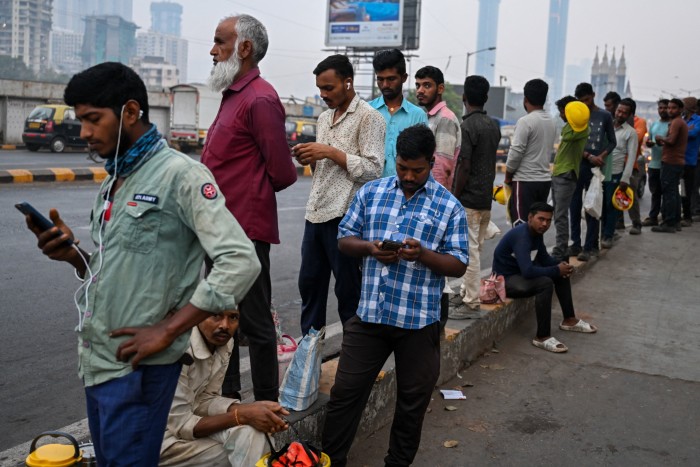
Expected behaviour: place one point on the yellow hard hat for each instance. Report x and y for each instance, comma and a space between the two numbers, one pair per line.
499, 194
623, 200
577, 114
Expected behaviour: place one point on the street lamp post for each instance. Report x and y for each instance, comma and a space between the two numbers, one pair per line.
469, 54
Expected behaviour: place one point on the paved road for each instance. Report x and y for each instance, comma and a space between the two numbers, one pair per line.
37, 342
71, 158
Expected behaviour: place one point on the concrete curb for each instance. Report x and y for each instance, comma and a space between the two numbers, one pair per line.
94, 174
462, 343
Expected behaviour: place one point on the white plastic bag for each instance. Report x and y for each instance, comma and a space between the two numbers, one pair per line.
491, 231
299, 388
593, 202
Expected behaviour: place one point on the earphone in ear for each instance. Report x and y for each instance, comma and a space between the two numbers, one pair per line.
347, 86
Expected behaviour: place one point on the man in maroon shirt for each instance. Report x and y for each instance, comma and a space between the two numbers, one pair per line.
672, 163
247, 152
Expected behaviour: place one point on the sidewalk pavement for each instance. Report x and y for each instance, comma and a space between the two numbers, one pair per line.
646, 272
626, 395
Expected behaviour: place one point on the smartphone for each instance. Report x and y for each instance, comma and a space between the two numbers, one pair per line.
391, 245
39, 220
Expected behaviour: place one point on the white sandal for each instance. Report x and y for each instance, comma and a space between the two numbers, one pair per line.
581, 326
551, 345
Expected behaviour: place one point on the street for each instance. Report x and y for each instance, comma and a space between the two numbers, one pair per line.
38, 345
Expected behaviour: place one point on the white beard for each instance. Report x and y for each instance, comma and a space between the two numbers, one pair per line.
223, 73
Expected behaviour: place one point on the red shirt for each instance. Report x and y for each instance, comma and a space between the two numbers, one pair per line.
247, 152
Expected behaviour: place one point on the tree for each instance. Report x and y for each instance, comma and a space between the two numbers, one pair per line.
14, 68
454, 100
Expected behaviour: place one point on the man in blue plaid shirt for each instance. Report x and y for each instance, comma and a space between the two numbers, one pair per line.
411, 233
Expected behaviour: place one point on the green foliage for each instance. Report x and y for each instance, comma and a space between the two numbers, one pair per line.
454, 100
14, 68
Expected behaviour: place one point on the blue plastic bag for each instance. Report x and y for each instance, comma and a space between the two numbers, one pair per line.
299, 388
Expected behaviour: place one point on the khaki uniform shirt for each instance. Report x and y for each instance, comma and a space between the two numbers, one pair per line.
198, 391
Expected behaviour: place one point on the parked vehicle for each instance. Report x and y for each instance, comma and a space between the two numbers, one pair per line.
54, 127
193, 108
507, 132
300, 130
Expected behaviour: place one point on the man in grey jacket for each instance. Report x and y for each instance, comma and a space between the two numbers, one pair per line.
527, 166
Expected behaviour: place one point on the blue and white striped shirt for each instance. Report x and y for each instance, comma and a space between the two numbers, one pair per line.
405, 294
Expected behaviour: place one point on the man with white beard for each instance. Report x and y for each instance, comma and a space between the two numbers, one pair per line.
247, 152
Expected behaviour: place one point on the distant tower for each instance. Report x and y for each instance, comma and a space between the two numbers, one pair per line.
486, 37
25, 27
611, 81
556, 47
166, 18
610, 76
622, 76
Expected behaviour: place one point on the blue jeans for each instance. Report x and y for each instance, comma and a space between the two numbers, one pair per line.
127, 415
592, 225
610, 214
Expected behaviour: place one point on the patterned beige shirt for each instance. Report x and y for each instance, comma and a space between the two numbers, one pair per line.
359, 133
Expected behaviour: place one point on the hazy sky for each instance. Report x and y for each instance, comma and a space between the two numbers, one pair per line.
660, 44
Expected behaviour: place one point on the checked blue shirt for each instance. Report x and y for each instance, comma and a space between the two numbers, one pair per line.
405, 294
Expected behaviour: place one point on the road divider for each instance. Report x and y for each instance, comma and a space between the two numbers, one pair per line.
60, 174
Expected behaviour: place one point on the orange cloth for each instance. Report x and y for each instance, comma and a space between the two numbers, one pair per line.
640, 126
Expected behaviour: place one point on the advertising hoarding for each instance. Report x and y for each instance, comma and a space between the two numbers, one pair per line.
376, 23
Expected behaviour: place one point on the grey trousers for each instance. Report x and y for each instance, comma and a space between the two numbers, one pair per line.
563, 187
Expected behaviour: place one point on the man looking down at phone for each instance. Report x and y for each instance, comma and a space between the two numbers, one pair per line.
156, 215
204, 428
529, 270
399, 308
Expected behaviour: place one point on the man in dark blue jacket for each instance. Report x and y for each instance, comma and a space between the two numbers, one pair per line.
529, 270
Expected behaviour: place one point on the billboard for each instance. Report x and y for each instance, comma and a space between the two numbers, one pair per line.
377, 23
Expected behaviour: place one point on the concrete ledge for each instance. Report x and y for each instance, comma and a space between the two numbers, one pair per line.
462, 343
95, 174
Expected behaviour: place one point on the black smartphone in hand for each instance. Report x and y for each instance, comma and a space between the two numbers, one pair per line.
37, 218
391, 245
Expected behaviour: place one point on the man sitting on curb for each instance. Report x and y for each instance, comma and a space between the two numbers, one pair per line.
540, 277
204, 428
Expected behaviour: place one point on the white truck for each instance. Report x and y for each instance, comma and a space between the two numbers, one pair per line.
193, 108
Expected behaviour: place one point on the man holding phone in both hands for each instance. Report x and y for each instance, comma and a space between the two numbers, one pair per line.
410, 233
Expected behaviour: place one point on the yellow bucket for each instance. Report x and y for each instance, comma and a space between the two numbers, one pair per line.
325, 460
54, 455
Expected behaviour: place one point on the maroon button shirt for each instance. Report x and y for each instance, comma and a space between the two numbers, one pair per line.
247, 152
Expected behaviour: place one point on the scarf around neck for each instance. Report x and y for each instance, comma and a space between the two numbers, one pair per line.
142, 150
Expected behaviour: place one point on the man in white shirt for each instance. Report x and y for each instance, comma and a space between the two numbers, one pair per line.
204, 428
527, 166
348, 152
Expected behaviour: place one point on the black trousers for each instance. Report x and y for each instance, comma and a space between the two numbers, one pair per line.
319, 257
655, 189
522, 197
689, 182
257, 324
542, 289
670, 199
365, 348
